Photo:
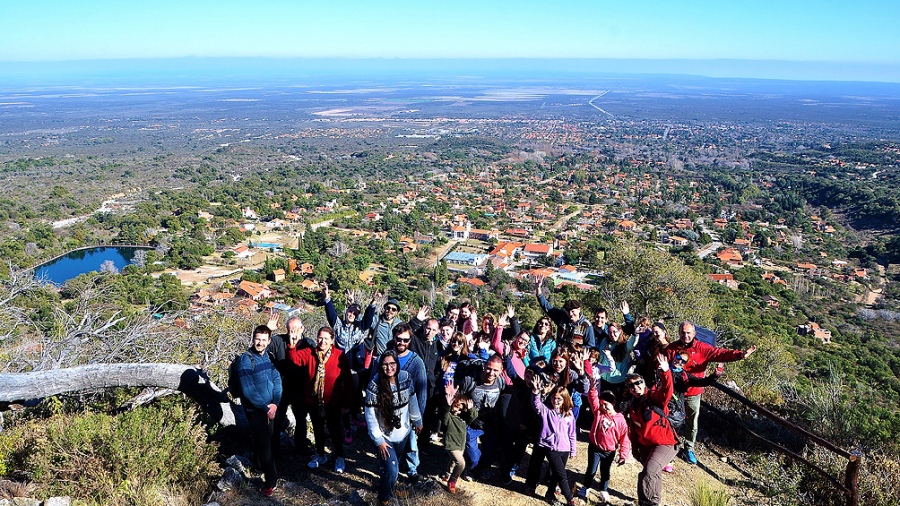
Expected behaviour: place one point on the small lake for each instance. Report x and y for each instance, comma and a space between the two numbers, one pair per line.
80, 262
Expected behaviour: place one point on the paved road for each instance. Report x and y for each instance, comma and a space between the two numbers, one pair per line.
709, 249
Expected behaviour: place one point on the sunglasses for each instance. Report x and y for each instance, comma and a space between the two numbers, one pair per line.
391, 309
635, 384
454, 343
401, 340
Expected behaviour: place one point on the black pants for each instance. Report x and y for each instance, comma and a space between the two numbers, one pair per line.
262, 429
332, 419
513, 443
558, 476
301, 441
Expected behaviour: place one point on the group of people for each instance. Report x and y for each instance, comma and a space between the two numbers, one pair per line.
487, 389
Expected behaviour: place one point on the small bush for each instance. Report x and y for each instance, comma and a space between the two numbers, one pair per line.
145, 456
704, 495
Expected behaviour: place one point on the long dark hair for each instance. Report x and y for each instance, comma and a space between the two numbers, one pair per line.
537, 326
386, 404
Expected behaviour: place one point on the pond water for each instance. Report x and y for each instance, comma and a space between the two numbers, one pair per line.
83, 261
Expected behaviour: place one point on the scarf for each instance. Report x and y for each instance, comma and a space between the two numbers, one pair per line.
319, 383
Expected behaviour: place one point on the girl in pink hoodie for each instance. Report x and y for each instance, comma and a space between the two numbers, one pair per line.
609, 433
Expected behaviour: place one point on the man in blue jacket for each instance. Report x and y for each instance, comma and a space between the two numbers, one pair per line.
260, 396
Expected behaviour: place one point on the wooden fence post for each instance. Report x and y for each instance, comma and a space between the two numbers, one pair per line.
851, 480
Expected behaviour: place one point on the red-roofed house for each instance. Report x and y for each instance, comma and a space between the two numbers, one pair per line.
255, 291
725, 279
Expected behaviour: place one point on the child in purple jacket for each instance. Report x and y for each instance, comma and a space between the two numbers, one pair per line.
557, 440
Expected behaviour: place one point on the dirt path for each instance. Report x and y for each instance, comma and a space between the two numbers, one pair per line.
301, 486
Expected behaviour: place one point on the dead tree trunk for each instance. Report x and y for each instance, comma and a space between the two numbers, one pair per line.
189, 380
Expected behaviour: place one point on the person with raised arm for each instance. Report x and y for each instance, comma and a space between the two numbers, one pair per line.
653, 439
608, 436
556, 442
699, 355
572, 326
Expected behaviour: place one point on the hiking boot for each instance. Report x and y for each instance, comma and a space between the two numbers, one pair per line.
689, 457
348, 436
317, 461
412, 479
582, 493
451, 486
339, 465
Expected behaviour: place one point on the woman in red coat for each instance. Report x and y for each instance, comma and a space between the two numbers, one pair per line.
325, 383
653, 439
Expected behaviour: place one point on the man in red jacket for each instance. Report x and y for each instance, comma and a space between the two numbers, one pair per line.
699, 355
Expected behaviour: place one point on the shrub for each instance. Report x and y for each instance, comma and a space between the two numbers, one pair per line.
144, 456
704, 495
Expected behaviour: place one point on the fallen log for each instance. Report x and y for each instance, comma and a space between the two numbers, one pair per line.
193, 382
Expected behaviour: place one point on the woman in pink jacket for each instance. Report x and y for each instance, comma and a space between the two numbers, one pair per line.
609, 433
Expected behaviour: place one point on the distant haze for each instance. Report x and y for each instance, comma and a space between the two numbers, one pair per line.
174, 71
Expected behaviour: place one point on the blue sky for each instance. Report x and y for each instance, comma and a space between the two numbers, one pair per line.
863, 32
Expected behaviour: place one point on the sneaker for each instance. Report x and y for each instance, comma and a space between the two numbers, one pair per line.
348, 436
339, 465
487, 474
509, 478
413, 478
434, 437
267, 491
582, 493
451, 486
689, 457
604, 496
466, 476
317, 461
669, 469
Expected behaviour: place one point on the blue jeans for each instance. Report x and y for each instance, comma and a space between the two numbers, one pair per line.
602, 459
412, 456
391, 468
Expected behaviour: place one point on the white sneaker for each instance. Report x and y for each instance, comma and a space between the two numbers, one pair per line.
582, 492
339, 465
604, 496
434, 437
317, 461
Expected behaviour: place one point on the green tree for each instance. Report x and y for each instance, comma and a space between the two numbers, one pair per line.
653, 283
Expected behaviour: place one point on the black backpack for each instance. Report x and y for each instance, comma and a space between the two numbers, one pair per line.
676, 414
234, 381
